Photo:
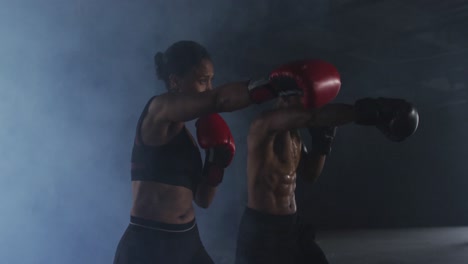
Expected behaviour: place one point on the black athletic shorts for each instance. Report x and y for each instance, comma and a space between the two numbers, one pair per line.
150, 242
271, 239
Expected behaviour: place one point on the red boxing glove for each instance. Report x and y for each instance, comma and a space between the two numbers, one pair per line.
215, 138
319, 81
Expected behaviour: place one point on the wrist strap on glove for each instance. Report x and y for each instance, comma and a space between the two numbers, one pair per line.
260, 91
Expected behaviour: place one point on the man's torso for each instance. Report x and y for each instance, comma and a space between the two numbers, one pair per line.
271, 169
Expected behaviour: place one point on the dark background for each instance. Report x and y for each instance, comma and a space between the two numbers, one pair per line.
75, 75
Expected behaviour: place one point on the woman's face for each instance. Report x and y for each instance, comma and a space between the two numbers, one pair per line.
197, 80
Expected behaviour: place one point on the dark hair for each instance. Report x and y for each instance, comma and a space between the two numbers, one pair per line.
179, 59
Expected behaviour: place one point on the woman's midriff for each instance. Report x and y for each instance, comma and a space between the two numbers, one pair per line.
162, 202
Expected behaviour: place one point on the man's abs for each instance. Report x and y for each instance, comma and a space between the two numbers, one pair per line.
272, 194
161, 202
271, 172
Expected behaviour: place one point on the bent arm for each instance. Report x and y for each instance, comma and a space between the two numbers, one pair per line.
311, 165
182, 107
204, 195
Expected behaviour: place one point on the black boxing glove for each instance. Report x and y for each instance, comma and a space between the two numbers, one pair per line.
397, 119
322, 139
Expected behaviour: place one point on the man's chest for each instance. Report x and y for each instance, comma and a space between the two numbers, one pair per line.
287, 148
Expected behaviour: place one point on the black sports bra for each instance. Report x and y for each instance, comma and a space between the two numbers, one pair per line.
176, 163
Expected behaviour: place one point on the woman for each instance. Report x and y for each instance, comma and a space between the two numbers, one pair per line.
166, 162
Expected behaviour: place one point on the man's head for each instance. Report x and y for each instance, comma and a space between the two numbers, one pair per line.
289, 101
185, 66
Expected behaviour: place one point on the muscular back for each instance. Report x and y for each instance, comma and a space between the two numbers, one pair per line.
271, 170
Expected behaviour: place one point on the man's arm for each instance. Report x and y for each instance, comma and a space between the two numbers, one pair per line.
311, 165
284, 119
313, 158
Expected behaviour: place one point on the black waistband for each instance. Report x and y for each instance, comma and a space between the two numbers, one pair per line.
271, 219
155, 225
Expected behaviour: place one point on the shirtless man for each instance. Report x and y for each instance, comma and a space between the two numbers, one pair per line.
269, 231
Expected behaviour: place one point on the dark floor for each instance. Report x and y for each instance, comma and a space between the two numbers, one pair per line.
429, 246
399, 246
